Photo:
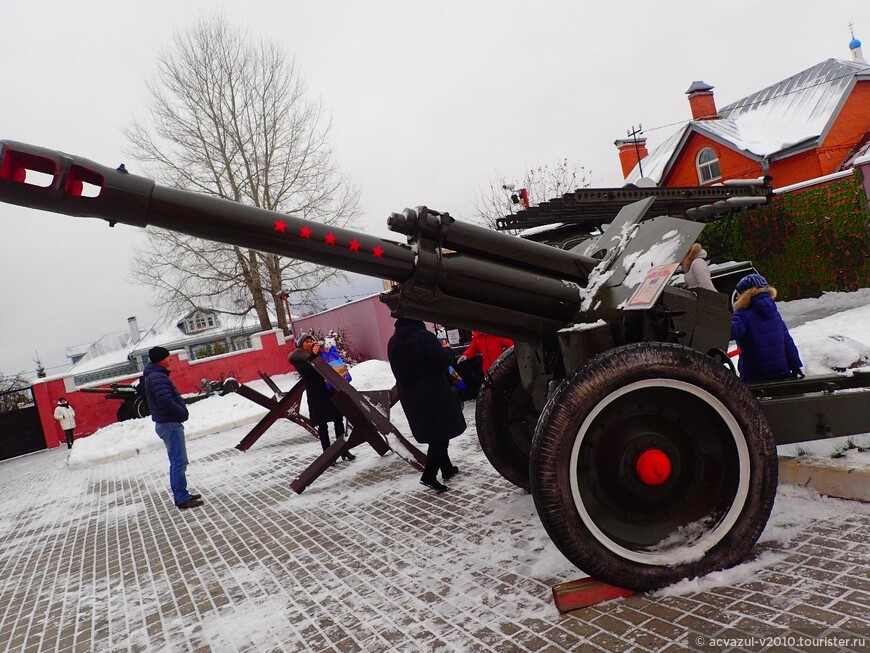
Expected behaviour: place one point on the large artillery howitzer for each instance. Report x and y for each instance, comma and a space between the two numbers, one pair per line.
649, 460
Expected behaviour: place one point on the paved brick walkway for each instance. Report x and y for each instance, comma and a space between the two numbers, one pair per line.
365, 560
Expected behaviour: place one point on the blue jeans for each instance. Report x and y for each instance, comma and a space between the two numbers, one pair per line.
172, 434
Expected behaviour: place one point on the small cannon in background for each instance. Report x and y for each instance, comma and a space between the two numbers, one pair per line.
648, 460
133, 402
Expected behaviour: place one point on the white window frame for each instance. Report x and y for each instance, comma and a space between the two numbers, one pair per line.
708, 168
200, 321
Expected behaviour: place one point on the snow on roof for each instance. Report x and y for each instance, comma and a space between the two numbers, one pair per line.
788, 116
167, 332
655, 162
111, 349
116, 349
76, 350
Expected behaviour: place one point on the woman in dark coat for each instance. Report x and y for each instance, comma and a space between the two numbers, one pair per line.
767, 351
321, 410
433, 409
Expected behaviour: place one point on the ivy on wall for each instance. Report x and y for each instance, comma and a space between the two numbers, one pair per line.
805, 242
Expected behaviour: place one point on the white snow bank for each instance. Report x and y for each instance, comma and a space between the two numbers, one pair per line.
133, 437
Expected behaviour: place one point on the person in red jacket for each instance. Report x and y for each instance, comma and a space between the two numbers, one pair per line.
489, 347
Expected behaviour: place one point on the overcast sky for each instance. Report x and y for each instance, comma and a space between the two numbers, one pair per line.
429, 103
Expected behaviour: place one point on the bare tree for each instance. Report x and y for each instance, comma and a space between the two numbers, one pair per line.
229, 116
541, 182
13, 392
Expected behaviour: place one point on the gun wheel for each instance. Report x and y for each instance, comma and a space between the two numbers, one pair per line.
652, 463
506, 420
140, 407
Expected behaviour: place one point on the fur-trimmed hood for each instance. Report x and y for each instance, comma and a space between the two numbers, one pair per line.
695, 251
744, 299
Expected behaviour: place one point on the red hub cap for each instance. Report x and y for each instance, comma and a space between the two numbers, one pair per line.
653, 467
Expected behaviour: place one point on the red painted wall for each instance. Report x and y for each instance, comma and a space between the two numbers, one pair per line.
794, 169
732, 164
852, 124
94, 411
366, 324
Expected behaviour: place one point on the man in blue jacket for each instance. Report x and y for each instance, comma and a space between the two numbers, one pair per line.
168, 411
767, 351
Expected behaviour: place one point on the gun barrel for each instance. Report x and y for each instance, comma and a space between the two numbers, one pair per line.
531, 287
138, 201
476, 240
215, 218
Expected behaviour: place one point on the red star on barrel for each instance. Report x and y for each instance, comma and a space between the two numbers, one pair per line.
353, 246
378, 251
280, 225
330, 239
305, 232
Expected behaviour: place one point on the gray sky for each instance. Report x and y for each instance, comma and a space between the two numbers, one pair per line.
429, 103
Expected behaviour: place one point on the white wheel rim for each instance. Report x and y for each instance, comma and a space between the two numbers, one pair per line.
699, 547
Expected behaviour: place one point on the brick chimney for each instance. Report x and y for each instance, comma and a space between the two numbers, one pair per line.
133, 327
630, 151
702, 102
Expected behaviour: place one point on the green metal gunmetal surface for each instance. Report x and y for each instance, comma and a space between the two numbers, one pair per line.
816, 408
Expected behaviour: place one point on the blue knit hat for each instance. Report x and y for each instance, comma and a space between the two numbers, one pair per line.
751, 281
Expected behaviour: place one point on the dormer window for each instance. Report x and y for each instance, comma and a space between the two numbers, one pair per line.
199, 321
708, 166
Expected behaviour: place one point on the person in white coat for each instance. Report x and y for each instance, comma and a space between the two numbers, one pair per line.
65, 414
695, 269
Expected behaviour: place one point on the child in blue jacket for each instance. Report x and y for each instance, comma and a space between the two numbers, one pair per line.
767, 351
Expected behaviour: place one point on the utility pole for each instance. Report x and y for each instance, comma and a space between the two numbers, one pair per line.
634, 133
286, 297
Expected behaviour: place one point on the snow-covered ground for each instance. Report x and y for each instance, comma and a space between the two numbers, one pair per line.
839, 340
502, 533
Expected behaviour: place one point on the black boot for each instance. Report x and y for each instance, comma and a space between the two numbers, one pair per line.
434, 484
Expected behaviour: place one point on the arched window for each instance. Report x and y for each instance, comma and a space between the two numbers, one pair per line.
708, 166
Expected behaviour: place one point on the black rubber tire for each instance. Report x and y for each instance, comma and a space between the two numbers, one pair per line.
140, 407
590, 498
723, 358
230, 385
506, 420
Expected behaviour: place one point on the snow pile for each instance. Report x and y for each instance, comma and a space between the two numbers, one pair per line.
134, 437
836, 343
372, 375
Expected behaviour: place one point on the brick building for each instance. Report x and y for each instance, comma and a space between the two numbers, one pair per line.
812, 124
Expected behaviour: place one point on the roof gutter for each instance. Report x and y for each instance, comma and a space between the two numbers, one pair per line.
814, 182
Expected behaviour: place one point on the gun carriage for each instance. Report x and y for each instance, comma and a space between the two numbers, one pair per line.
133, 402
648, 459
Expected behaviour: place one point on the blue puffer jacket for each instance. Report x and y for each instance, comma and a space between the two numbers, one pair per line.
767, 352
163, 398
